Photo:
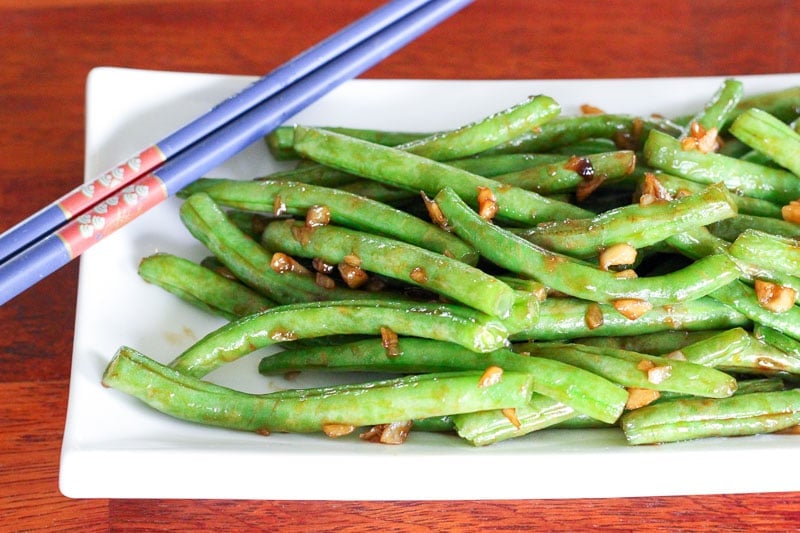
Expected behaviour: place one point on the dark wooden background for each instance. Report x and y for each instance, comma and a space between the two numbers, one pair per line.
47, 49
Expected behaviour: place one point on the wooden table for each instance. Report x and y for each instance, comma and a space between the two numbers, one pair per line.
48, 48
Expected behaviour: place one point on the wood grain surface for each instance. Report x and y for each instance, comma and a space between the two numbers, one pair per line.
48, 48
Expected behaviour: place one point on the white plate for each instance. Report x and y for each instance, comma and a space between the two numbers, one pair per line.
114, 446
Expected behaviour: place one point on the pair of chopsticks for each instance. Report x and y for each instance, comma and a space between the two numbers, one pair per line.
51, 238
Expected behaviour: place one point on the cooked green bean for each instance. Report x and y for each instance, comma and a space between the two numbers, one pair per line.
657, 343
416, 173
489, 166
693, 418
716, 349
480, 136
770, 136
744, 299
281, 140
249, 261
577, 279
584, 391
625, 130
636, 225
473, 330
778, 340
721, 106
632, 369
311, 410
730, 228
202, 287
488, 427
768, 250
665, 153
568, 175
745, 205
395, 259
565, 318
343, 208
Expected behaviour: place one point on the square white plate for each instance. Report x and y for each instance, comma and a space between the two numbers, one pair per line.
116, 447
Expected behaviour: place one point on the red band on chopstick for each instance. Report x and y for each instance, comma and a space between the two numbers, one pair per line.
112, 213
82, 198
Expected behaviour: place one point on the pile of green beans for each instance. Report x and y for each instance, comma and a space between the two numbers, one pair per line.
529, 271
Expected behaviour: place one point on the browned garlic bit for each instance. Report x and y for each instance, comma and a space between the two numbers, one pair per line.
321, 266
640, 397
390, 342
653, 190
588, 109
491, 376
791, 212
774, 297
511, 414
626, 274
394, 433
282, 263
278, 207
658, 374
302, 234
629, 140
352, 274
324, 281
437, 217
337, 430
487, 203
318, 215
705, 141
594, 316
419, 275
617, 255
645, 365
677, 355
631, 308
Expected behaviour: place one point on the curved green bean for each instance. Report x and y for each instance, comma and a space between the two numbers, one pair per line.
583, 391
345, 209
770, 136
693, 418
395, 259
574, 278
473, 330
415, 173
310, 410
202, 287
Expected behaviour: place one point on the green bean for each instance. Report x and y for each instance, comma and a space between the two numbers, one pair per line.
312, 174
249, 261
743, 298
770, 136
636, 225
730, 229
693, 418
760, 358
251, 224
310, 410
460, 325
767, 250
281, 140
625, 130
396, 259
434, 424
627, 369
778, 340
585, 392
416, 173
344, 208
657, 343
571, 277
665, 153
494, 165
202, 287
783, 103
745, 205
565, 318
480, 136
488, 427
721, 106
568, 175
377, 191
716, 349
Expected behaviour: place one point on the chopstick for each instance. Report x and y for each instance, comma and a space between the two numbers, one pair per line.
83, 197
139, 194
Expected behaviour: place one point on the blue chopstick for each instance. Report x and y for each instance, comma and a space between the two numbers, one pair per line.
82, 198
57, 249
